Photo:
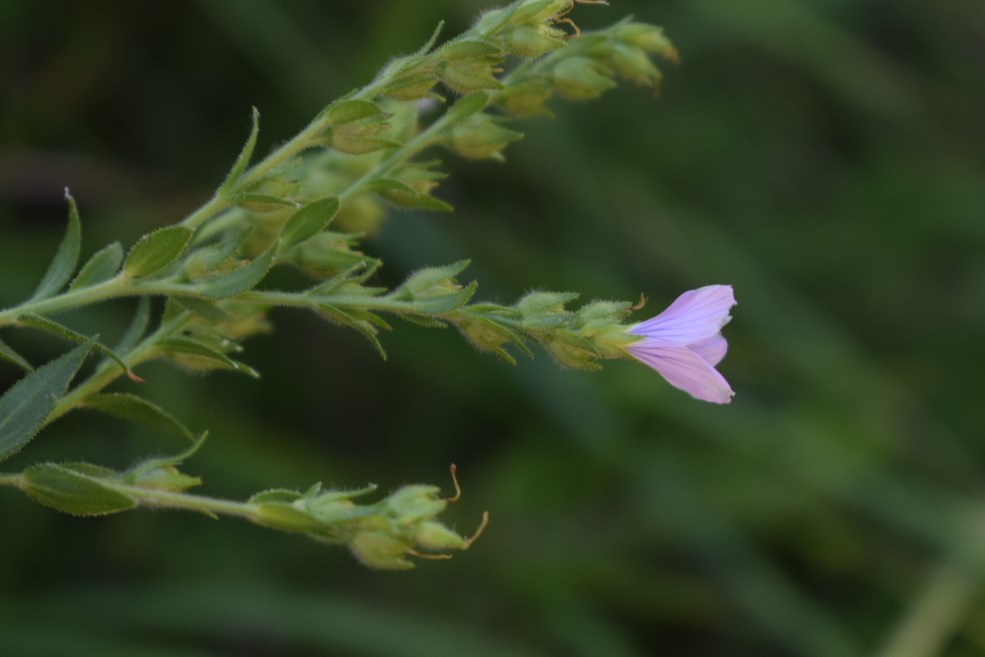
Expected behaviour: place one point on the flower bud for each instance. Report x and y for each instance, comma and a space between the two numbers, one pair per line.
414, 503
326, 254
480, 137
648, 37
570, 350
527, 98
381, 550
632, 63
470, 75
533, 40
167, 478
578, 78
433, 535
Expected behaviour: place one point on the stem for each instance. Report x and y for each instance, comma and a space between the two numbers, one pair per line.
171, 500
114, 287
9, 479
109, 372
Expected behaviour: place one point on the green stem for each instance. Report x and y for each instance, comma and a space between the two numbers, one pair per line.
150, 497
109, 372
114, 287
9, 479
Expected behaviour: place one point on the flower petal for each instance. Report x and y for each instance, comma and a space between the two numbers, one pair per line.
694, 316
683, 369
712, 350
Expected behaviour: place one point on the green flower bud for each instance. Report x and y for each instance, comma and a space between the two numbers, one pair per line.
433, 535
526, 99
362, 214
412, 87
538, 11
533, 40
414, 503
480, 137
648, 37
358, 138
326, 254
570, 350
167, 478
578, 78
632, 63
470, 75
381, 550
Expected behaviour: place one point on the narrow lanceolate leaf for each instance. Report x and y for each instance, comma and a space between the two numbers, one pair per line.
66, 259
309, 220
11, 356
244, 155
347, 111
137, 409
62, 331
242, 279
101, 267
137, 326
155, 251
196, 356
73, 488
24, 407
207, 310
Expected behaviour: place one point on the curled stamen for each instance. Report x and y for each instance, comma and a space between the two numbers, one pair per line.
639, 304
478, 532
572, 24
454, 480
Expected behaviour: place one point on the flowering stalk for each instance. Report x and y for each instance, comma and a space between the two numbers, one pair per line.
306, 206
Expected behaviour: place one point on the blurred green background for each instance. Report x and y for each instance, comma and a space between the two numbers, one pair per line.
827, 158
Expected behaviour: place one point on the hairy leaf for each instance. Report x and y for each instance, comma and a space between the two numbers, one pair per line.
243, 160
24, 407
137, 409
61, 268
73, 488
242, 279
11, 356
100, 267
309, 220
155, 251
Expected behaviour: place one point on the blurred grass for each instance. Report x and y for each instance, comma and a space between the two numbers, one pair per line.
826, 158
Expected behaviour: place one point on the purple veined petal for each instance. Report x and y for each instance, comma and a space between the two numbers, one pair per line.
683, 369
712, 350
694, 316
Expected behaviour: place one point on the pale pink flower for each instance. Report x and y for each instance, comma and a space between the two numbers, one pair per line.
684, 342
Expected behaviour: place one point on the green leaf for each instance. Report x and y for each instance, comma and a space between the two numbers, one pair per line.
244, 155
242, 279
62, 331
11, 356
309, 220
24, 407
155, 251
168, 461
101, 267
72, 488
402, 194
262, 202
363, 325
61, 268
137, 327
137, 409
445, 303
466, 107
197, 356
207, 310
